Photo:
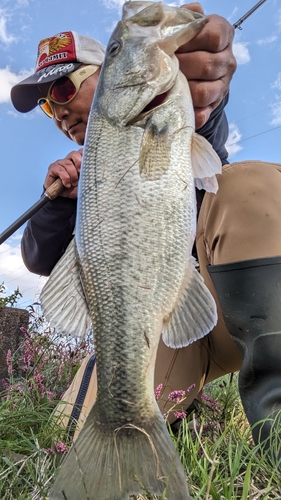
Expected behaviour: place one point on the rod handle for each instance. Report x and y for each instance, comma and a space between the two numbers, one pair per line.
54, 189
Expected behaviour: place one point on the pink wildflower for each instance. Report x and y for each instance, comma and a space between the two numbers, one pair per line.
61, 447
19, 388
60, 371
39, 379
5, 384
209, 400
191, 387
176, 396
24, 330
9, 362
50, 395
28, 355
180, 414
158, 391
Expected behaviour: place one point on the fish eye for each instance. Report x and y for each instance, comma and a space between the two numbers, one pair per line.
114, 48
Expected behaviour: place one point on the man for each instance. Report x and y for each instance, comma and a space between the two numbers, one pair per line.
238, 238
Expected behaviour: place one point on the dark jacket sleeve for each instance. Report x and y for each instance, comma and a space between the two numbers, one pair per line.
48, 234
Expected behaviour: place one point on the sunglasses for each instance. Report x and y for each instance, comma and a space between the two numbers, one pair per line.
65, 88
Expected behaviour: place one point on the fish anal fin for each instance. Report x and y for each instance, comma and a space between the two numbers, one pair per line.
194, 314
205, 164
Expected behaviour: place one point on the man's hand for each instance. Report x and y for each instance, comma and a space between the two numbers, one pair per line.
68, 170
208, 63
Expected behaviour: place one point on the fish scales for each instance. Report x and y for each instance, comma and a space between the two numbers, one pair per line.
136, 244
132, 273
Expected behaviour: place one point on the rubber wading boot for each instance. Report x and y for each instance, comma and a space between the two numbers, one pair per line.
249, 294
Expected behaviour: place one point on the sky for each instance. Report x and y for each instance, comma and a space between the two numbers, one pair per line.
30, 142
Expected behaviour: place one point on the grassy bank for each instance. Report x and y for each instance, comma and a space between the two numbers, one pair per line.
214, 441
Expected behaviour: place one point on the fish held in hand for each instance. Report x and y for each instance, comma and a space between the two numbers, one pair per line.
129, 268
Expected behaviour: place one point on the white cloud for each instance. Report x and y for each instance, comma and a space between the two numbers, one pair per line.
14, 273
241, 52
277, 83
23, 3
233, 13
5, 37
278, 19
113, 4
7, 80
276, 112
268, 40
112, 27
233, 138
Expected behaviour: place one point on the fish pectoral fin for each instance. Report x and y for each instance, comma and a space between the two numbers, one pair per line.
155, 151
62, 298
194, 315
205, 164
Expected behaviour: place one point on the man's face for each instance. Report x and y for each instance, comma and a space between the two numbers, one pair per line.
72, 118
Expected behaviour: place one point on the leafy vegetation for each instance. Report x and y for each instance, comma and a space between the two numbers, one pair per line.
214, 440
31, 440
11, 300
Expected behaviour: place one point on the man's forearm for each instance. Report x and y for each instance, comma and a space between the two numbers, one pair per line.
48, 234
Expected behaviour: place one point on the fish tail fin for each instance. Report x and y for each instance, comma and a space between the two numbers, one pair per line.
130, 460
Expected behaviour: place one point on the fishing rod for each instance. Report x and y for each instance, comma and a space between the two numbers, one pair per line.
56, 188
50, 194
248, 14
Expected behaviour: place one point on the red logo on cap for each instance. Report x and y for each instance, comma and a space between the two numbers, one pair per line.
57, 49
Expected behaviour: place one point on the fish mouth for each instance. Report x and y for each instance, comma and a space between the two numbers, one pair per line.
156, 102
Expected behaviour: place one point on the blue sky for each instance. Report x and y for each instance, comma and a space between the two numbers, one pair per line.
30, 142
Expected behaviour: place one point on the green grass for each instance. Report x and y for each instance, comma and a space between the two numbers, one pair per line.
218, 453
214, 442
216, 449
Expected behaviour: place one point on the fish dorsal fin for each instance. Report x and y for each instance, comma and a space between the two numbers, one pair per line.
205, 164
194, 315
62, 298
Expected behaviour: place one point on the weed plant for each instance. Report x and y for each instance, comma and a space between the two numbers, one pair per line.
31, 441
214, 440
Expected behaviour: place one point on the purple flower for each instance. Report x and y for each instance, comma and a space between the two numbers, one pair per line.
61, 447
50, 395
158, 391
209, 400
39, 379
176, 396
180, 414
191, 387
5, 384
9, 362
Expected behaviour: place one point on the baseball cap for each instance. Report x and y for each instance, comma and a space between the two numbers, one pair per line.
57, 56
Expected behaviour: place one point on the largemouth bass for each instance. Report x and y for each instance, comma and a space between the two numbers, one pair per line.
129, 268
